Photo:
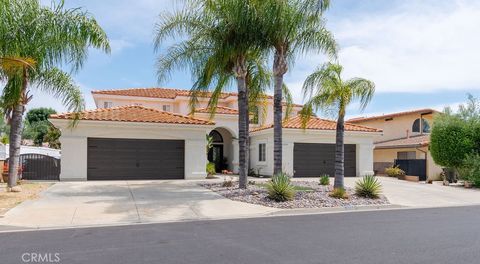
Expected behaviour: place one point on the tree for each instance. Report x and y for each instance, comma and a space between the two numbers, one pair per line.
326, 90
292, 27
220, 46
37, 124
44, 38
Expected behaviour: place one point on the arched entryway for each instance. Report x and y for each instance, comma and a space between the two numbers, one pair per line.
221, 151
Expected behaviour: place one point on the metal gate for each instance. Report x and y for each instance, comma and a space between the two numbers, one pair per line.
413, 167
39, 167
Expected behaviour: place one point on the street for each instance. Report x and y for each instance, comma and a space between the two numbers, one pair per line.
439, 235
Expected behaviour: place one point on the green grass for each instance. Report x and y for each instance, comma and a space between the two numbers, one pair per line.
295, 187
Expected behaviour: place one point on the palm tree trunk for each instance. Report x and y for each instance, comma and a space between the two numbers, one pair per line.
243, 114
339, 152
279, 69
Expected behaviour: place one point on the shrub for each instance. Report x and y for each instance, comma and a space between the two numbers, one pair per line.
368, 187
470, 169
338, 193
227, 182
394, 171
280, 188
324, 180
210, 168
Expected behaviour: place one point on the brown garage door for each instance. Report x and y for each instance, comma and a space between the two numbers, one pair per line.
135, 159
314, 160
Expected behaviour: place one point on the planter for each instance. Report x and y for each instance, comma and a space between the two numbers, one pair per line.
5, 177
412, 178
211, 176
467, 184
401, 177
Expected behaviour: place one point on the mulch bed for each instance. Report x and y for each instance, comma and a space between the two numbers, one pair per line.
317, 198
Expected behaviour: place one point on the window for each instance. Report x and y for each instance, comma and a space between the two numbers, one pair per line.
253, 119
406, 155
137, 104
107, 104
425, 125
166, 108
262, 152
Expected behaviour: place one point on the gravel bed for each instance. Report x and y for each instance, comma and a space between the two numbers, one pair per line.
318, 198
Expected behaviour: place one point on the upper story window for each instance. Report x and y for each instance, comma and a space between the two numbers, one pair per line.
262, 152
425, 126
166, 108
254, 113
107, 104
137, 104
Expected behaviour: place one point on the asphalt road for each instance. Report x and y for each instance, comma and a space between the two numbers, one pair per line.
442, 235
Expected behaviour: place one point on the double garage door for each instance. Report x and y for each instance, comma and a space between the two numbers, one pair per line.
135, 159
315, 159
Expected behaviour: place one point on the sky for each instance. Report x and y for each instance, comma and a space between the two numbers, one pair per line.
419, 53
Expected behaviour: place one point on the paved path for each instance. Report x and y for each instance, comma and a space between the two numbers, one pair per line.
120, 202
440, 235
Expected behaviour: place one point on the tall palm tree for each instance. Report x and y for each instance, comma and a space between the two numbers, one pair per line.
292, 27
326, 90
49, 37
220, 45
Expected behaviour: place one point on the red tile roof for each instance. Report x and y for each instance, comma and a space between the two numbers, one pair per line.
133, 113
316, 123
411, 142
166, 93
418, 111
219, 110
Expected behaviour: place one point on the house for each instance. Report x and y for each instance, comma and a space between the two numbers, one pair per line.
150, 133
405, 139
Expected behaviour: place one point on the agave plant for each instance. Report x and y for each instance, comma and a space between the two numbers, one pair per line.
368, 187
280, 188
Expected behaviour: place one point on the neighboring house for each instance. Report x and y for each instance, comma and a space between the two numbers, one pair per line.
406, 137
149, 133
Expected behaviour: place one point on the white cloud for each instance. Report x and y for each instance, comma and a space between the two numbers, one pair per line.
117, 45
420, 46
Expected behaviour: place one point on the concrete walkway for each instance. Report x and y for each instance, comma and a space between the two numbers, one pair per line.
121, 202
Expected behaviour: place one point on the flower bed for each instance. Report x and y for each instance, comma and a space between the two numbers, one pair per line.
313, 196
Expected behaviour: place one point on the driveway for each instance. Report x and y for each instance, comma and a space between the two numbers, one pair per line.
415, 194
122, 202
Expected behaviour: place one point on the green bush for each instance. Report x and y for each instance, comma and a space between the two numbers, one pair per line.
280, 188
451, 140
338, 193
324, 180
368, 187
210, 168
470, 169
394, 171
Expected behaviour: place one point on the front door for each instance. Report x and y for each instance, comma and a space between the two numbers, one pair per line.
215, 155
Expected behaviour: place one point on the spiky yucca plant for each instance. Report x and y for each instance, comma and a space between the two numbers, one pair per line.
368, 187
280, 188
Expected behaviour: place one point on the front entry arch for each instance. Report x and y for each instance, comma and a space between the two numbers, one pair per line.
221, 153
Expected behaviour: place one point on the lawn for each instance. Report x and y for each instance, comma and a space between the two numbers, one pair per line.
30, 191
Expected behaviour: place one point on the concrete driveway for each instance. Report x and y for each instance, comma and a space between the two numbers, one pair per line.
120, 202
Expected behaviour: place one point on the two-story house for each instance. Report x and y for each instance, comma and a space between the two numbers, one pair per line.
151, 133
406, 136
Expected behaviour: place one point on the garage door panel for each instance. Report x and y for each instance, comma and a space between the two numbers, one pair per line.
135, 159
315, 159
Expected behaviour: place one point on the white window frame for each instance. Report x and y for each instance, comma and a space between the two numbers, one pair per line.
107, 104
260, 156
166, 108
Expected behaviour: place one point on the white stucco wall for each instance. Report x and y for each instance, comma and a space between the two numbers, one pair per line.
74, 143
363, 141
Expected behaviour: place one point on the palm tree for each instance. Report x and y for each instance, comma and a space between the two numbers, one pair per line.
220, 46
292, 27
45, 38
326, 90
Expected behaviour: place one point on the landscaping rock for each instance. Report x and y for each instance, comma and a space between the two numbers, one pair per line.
15, 189
316, 198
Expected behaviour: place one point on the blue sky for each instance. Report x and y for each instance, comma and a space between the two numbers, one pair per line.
420, 53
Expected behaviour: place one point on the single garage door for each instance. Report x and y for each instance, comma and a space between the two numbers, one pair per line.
135, 159
314, 160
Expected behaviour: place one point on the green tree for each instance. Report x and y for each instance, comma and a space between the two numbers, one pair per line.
326, 90
37, 124
49, 37
220, 46
292, 28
